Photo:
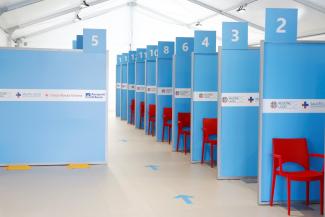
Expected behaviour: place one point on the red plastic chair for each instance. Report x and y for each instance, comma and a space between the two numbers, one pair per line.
210, 129
132, 109
151, 119
142, 112
184, 125
167, 122
295, 151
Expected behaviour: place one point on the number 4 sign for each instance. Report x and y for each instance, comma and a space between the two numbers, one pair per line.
205, 41
281, 25
94, 40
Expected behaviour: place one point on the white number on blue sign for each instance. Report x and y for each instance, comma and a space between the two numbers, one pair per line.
166, 50
235, 35
94, 40
185, 47
283, 23
205, 42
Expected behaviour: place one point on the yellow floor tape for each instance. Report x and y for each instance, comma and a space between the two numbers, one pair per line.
18, 167
78, 166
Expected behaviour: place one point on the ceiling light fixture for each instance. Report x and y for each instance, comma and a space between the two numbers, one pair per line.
242, 8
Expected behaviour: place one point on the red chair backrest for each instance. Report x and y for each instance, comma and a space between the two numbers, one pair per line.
210, 127
132, 105
184, 118
291, 150
167, 114
152, 110
142, 109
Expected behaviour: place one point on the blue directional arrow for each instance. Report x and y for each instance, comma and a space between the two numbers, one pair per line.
153, 167
185, 198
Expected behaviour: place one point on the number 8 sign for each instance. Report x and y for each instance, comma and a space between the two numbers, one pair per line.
281, 25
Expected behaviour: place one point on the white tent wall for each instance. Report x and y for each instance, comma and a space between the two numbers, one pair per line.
3, 39
147, 30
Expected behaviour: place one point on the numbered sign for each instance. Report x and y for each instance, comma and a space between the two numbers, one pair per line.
131, 56
152, 52
94, 40
205, 42
140, 55
184, 46
119, 59
79, 42
125, 58
281, 25
165, 49
234, 35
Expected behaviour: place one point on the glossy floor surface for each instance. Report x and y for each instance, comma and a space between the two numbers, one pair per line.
142, 179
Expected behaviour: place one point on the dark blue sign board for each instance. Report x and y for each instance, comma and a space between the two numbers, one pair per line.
118, 86
124, 86
139, 85
131, 82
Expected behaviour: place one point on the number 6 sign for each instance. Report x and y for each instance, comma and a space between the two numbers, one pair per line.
94, 40
281, 25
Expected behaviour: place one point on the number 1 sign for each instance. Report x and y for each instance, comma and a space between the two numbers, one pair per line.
281, 25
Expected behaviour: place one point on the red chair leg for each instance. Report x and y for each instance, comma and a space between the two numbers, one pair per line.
289, 195
169, 134
163, 134
178, 135
185, 143
321, 196
307, 192
211, 155
203, 149
273, 187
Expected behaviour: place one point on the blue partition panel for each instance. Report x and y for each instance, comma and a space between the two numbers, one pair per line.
53, 106
150, 76
293, 96
205, 88
181, 83
124, 86
139, 84
131, 82
118, 86
164, 84
238, 113
79, 42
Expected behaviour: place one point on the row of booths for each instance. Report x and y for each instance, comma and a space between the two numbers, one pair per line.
238, 105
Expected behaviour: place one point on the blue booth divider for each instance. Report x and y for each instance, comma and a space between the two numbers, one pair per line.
131, 82
150, 76
124, 86
181, 83
164, 84
79, 42
139, 84
238, 105
293, 97
53, 106
118, 86
204, 102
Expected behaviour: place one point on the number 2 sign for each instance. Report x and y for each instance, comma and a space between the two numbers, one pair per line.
281, 25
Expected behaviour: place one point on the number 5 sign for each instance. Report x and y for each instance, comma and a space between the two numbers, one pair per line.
94, 40
234, 35
281, 25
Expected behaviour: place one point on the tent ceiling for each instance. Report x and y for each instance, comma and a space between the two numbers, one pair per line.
33, 16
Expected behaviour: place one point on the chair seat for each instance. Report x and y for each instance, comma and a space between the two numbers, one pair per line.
212, 141
168, 124
152, 119
186, 132
309, 175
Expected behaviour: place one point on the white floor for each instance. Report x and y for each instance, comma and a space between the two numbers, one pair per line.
127, 188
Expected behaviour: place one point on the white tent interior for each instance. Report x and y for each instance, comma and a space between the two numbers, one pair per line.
133, 24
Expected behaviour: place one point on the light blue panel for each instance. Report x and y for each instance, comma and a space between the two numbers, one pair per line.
205, 41
139, 80
94, 40
281, 25
74, 44
292, 71
204, 78
124, 91
118, 85
80, 42
131, 81
150, 76
52, 132
181, 79
235, 35
164, 80
238, 138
